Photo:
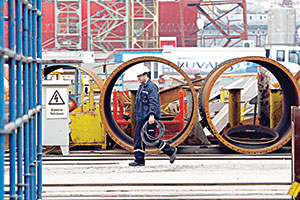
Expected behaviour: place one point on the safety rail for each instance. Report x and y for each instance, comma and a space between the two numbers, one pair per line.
23, 54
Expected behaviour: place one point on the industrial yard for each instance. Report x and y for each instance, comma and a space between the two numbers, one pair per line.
149, 99
191, 177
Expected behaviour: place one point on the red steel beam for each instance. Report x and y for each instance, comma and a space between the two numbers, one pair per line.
182, 3
206, 3
220, 26
245, 33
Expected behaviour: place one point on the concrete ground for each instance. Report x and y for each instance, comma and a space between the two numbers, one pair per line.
185, 179
212, 179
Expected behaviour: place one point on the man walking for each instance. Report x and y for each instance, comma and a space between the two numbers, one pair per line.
147, 108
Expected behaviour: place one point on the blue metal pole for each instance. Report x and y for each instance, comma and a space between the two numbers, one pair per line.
79, 86
122, 82
12, 104
26, 102
31, 145
2, 104
34, 87
19, 98
39, 55
76, 87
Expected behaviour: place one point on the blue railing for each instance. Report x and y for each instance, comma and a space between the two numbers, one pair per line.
24, 122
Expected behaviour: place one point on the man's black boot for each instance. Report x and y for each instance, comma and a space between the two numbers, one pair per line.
173, 156
136, 164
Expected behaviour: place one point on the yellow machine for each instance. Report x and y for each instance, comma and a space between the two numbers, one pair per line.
86, 125
275, 106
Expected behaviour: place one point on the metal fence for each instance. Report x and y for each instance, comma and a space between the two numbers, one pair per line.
20, 116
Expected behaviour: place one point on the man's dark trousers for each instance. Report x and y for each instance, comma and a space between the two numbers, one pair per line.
139, 145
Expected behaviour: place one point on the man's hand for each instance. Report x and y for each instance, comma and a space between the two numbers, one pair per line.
151, 119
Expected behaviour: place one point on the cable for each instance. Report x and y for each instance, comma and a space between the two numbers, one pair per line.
152, 140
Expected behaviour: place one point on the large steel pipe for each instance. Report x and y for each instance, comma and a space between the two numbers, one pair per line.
93, 75
291, 95
297, 77
111, 126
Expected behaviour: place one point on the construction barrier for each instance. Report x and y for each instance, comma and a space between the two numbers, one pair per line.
20, 116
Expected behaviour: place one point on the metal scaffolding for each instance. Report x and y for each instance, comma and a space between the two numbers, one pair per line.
143, 23
230, 32
20, 116
107, 25
119, 24
68, 34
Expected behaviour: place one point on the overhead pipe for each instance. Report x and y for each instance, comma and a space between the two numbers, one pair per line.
99, 82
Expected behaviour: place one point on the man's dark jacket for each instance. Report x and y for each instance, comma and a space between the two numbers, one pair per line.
147, 101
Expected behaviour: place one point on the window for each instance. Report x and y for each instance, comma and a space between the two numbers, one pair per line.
280, 55
155, 69
293, 57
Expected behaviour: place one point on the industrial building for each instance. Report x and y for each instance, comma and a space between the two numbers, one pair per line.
81, 81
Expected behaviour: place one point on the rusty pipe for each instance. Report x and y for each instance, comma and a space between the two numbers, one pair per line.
291, 93
99, 82
297, 77
111, 126
234, 107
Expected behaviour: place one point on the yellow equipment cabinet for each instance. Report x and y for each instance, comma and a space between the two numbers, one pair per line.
86, 125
